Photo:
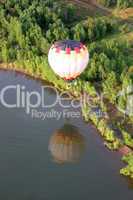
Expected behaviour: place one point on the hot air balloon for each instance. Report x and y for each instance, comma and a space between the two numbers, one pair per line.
68, 58
67, 145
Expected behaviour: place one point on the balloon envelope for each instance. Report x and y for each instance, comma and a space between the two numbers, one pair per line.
68, 58
67, 144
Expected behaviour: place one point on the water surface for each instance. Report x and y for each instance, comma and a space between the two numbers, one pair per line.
77, 165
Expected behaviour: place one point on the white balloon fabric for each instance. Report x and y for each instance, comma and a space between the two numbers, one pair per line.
68, 58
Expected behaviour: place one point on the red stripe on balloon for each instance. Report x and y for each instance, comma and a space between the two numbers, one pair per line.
71, 77
68, 50
77, 50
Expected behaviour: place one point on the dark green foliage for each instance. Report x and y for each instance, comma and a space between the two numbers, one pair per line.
117, 3
128, 170
107, 57
27, 26
93, 29
124, 4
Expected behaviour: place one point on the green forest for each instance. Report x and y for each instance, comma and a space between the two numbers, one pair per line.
117, 3
27, 30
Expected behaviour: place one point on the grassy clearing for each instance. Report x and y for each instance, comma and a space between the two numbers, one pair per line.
87, 8
124, 13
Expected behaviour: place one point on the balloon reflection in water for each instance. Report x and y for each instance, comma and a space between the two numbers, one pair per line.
67, 145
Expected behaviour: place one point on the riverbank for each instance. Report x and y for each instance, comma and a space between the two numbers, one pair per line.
110, 133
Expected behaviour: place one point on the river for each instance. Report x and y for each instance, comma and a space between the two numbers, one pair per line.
48, 159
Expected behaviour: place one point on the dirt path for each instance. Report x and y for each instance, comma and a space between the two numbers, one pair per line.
92, 5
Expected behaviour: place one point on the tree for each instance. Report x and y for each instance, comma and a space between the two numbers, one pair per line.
79, 32
110, 86
4, 53
57, 31
15, 35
